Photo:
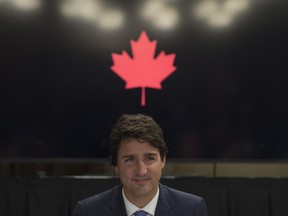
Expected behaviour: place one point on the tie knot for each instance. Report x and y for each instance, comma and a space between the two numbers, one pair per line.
140, 213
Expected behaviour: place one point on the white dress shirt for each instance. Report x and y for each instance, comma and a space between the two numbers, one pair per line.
149, 208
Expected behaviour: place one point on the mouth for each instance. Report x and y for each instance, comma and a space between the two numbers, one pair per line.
141, 181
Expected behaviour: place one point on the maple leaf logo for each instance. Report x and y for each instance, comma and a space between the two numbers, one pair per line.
143, 70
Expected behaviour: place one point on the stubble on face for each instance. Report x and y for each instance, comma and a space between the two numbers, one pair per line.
139, 167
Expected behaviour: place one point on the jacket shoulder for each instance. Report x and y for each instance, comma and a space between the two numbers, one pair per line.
180, 202
99, 198
182, 195
101, 203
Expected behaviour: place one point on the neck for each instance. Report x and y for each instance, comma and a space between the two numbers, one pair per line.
140, 200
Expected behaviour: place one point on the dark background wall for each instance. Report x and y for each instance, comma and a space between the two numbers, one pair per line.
225, 103
226, 100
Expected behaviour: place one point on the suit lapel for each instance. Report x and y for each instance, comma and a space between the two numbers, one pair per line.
165, 203
116, 207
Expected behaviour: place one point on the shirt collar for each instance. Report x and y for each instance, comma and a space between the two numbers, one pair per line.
149, 208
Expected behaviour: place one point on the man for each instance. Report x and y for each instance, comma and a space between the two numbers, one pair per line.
138, 155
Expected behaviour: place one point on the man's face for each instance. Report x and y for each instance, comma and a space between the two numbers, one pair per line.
139, 167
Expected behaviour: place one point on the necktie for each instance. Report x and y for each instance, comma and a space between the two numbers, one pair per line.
140, 213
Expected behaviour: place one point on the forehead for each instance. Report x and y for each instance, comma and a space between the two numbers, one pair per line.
134, 146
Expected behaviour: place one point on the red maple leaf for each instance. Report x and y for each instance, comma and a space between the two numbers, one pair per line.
143, 70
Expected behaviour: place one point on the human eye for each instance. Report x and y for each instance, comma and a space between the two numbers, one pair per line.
150, 158
128, 159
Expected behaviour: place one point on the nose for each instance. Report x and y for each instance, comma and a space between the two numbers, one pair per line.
141, 168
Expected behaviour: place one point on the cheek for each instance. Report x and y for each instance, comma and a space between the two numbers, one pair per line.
125, 172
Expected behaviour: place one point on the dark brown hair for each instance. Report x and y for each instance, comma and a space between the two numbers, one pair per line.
138, 126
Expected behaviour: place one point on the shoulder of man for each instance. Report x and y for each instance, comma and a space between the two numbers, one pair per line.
101, 203
103, 197
179, 195
180, 202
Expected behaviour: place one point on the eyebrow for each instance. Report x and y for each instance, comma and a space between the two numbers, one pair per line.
145, 155
127, 156
150, 154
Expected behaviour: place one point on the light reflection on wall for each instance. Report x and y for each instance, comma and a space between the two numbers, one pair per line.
160, 14
92, 11
23, 5
220, 13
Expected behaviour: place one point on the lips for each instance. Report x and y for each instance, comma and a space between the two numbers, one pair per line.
141, 181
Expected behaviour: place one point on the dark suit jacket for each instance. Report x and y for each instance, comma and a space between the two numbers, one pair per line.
171, 202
